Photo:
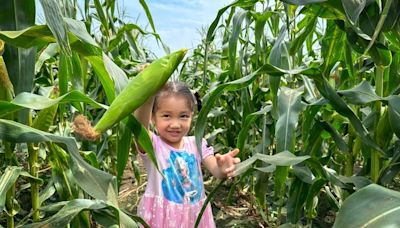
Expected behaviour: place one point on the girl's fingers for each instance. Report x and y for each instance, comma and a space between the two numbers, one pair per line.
220, 159
230, 169
234, 152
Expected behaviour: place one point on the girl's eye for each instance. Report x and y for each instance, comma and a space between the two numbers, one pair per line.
165, 116
184, 116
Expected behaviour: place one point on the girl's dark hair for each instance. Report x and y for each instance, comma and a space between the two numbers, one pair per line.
178, 89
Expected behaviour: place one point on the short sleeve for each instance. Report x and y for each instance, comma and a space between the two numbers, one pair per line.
206, 150
154, 141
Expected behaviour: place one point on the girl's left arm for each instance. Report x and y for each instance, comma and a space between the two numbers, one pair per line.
222, 166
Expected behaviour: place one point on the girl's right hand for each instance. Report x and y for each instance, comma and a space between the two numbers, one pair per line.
227, 162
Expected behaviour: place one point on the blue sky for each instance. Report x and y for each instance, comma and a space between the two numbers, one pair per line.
178, 22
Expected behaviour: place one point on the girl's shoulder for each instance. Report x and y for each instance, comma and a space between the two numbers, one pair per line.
190, 139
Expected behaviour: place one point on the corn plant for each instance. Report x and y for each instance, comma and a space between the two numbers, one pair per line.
49, 74
307, 90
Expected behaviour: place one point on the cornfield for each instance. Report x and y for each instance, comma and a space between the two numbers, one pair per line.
308, 90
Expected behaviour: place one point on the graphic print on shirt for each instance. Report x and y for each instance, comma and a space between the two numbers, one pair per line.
182, 182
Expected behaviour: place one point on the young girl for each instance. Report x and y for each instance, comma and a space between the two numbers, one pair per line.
176, 200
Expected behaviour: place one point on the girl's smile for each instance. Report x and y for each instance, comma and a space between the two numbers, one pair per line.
172, 119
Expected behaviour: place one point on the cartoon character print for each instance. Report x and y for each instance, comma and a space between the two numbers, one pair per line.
182, 183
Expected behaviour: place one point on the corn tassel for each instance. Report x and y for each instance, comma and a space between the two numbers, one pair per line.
138, 90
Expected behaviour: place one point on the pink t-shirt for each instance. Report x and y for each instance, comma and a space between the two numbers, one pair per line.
175, 200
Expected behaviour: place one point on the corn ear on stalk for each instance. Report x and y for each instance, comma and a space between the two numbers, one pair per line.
1, 47
138, 90
6, 87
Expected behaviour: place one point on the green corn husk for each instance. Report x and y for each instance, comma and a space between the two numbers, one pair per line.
6, 87
138, 90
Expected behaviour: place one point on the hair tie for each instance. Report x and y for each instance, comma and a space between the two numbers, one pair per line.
198, 101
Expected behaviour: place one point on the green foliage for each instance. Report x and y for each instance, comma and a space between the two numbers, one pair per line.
308, 90
329, 96
76, 70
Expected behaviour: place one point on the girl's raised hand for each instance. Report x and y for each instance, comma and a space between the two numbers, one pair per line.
227, 162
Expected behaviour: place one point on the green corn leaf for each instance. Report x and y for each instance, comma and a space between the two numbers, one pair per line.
260, 21
290, 106
64, 182
278, 57
47, 192
357, 181
281, 174
54, 20
332, 46
381, 55
124, 140
284, 158
148, 14
78, 74
243, 134
50, 51
313, 139
37, 102
105, 79
313, 192
353, 9
65, 70
45, 117
7, 180
297, 198
70, 209
386, 215
102, 15
394, 114
143, 139
341, 144
91, 158
234, 37
349, 61
78, 28
136, 50
331, 9
302, 2
150, 18
394, 37
390, 171
117, 74
363, 93
297, 43
393, 84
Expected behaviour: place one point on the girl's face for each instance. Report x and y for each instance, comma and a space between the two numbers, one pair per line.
172, 119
